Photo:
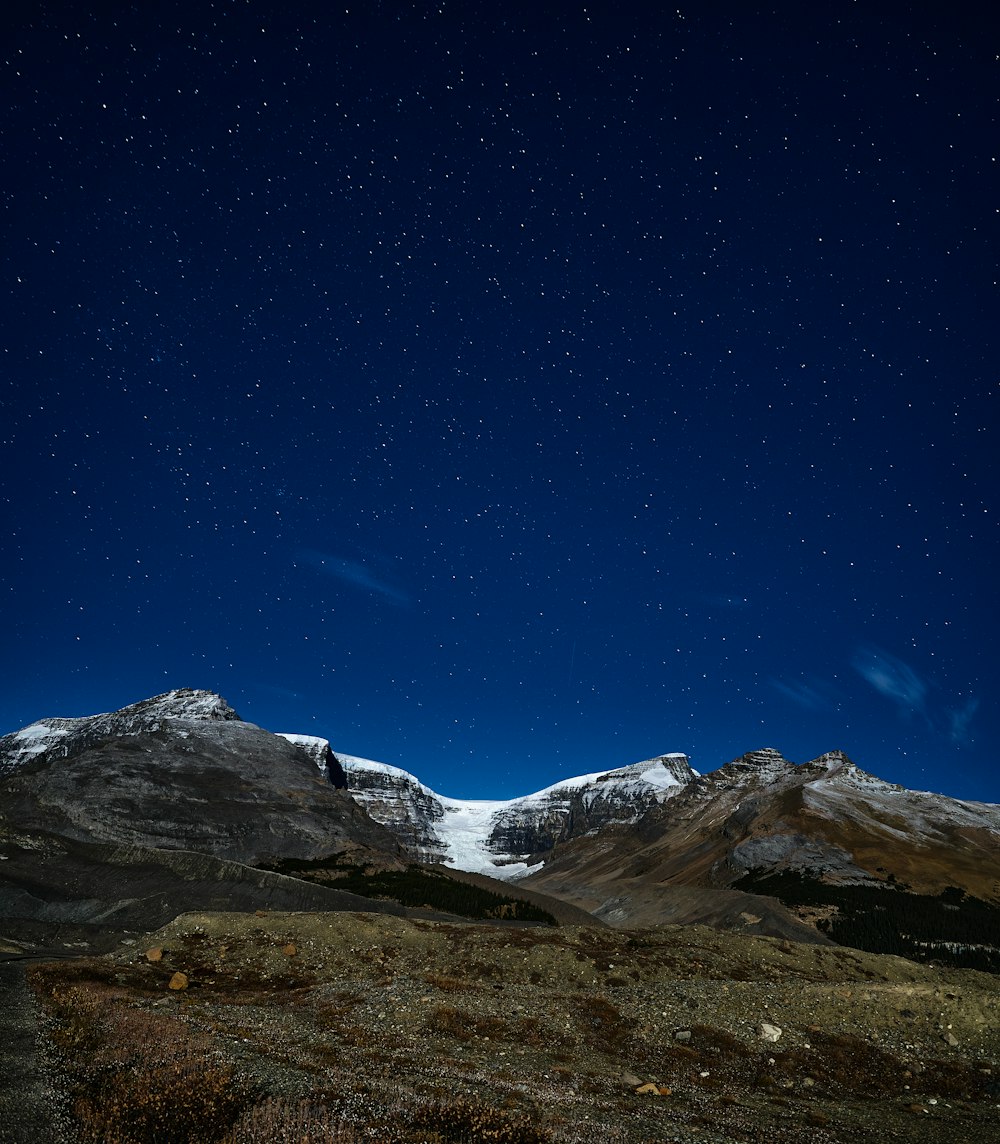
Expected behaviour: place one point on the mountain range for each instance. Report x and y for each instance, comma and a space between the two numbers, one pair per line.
505, 839
243, 936
186, 803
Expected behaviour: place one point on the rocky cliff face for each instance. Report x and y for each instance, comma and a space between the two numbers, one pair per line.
399, 801
319, 751
181, 772
761, 813
534, 824
503, 838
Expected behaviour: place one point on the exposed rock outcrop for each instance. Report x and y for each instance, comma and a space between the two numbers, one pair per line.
179, 772
400, 802
503, 838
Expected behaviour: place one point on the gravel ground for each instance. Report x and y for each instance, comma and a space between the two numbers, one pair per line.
32, 1098
563, 1026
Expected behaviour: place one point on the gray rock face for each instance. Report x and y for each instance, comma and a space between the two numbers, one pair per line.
763, 766
59, 738
536, 823
400, 802
500, 837
794, 852
319, 751
179, 772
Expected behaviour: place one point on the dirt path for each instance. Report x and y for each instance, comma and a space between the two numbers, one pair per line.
28, 1106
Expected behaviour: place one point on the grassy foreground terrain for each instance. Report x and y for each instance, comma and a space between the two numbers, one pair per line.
347, 1027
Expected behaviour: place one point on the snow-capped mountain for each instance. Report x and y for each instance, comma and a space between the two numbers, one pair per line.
59, 738
761, 813
504, 838
163, 750
180, 771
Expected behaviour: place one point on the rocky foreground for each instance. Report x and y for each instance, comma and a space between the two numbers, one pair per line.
347, 1027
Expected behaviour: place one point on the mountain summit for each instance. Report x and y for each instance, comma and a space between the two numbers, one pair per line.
180, 771
760, 844
505, 838
59, 738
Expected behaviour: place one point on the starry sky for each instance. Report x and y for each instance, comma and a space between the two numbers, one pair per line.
508, 391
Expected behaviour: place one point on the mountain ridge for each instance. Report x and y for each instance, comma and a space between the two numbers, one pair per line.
639, 844
504, 837
179, 771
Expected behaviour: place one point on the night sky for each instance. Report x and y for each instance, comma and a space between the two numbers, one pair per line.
508, 391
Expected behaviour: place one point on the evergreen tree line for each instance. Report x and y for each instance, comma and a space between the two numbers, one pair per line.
951, 928
415, 886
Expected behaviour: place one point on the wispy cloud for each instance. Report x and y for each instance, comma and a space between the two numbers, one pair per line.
814, 696
960, 721
912, 694
355, 573
893, 678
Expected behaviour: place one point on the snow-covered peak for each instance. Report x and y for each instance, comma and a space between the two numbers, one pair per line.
499, 836
183, 703
661, 772
61, 738
890, 810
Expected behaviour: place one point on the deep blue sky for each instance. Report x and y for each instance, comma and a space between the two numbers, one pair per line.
511, 391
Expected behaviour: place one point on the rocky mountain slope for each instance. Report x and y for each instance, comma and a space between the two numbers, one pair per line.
824, 837
117, 822
661, 822
761, 812
180, 771
758, 845
737, 848
506, 838
66, 896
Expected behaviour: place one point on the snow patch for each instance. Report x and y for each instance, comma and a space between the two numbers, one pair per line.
464, 832
35, 740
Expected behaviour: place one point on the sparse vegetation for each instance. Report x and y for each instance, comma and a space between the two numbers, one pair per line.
351, 1028
462, 1121
136, 1077
601, 1023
